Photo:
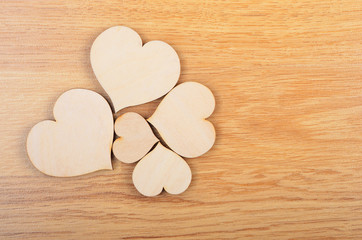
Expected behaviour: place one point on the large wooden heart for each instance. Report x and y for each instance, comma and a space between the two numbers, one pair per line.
130, 73
80, 139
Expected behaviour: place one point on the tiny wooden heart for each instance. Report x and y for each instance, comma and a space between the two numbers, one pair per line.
80, 139
161, 168
132, 74
180, 119
135, 138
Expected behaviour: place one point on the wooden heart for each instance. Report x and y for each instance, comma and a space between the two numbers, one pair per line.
135, 138
78, 141
180, 119
161, 168
132, 74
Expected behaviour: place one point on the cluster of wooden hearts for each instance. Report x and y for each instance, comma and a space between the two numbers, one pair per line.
80, 139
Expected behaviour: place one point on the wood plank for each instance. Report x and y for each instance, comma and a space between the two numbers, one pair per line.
286, 77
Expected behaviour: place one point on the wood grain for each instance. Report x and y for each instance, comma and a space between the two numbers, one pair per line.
286, 76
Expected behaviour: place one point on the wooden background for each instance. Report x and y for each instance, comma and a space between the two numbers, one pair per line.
287, 80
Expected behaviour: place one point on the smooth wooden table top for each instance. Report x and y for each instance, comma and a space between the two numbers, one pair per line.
287, 80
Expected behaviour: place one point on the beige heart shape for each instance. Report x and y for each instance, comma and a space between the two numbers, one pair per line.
135, 137
161, 168
180, 119
130, 73
80, 139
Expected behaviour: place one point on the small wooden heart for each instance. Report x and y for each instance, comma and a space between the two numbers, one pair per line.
180, 119
135, 137
132, 74
161, 168
80, 139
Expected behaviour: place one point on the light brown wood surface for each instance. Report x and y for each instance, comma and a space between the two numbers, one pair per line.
287, 79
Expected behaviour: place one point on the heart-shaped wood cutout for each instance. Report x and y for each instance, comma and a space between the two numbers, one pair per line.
80, 139
135, 138
132, 74
161, 168
180, 119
